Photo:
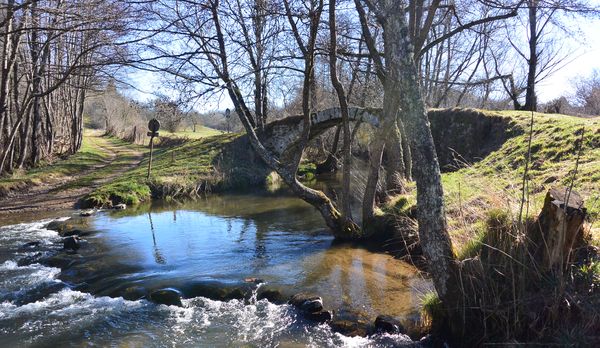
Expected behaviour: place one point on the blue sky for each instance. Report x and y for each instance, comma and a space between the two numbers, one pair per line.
583, 50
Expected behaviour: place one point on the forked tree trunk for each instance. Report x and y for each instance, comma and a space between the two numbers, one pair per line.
402, 82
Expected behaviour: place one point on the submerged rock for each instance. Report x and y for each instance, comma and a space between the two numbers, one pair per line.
271, 295
349, 328
311, 307
134, 293
61, 260
87, 213
169, 297
72, 232
321, 316
300, 298
389, 324
56, 225
71, 243
30, 245
28, 260
69, 227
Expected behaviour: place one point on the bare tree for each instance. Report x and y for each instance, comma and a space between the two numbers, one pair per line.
587, 93
52, 53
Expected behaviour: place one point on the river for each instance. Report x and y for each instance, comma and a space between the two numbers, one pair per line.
220, 252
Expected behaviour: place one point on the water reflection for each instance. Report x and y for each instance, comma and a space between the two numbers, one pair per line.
158, 257
351, 277
229, 238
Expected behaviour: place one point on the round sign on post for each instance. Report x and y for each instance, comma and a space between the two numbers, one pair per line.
153, 125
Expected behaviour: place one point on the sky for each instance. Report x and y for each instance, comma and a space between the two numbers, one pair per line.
585, 57
583, 50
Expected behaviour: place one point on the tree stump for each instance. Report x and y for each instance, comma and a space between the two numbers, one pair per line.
560, 228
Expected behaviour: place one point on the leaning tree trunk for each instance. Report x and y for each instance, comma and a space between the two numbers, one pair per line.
403, 83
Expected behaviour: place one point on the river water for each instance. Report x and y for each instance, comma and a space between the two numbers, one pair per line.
219, 252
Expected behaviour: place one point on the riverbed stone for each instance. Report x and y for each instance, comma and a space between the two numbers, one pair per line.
349, 328
235, 294
389, 324
71, 232
321, 316
30, 259
71, 243
121, 206
298, 299
254, 280
271, 295
312, 305
133, 293
168, 296
56, 225
30, 245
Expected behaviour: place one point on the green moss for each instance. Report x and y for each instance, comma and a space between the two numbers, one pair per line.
306, 171
473, 247
128, 192
432, 309
399, 205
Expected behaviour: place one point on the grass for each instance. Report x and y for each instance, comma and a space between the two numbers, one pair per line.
201, 132
186, 169
504, 287
95, 151
495, 181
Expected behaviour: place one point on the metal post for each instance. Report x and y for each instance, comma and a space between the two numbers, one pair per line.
150, 161
153, 126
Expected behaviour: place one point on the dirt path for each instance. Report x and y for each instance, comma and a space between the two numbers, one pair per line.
64, 192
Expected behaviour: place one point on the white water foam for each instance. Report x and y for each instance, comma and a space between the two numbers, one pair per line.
68, 317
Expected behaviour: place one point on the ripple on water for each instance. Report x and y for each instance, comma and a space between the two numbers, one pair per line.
32, 313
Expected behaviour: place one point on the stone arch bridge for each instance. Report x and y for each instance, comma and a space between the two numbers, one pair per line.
281, 136
461, 136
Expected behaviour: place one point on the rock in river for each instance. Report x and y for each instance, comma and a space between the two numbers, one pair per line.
389, 324
71, 243
169, 297
321, 316
87, 213
311, 307
121, 206
349, 328
301, 298
271, 295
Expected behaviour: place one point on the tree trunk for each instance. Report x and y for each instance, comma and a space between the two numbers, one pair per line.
402, 82
343, 101
530, 95
559, 229
395, 168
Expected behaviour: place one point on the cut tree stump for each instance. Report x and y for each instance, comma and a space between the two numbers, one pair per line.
560, 228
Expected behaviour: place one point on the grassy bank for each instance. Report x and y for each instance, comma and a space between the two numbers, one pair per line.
510, 296
97, 157
185, 169
495, 182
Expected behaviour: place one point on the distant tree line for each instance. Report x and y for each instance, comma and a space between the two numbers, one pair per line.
52, 52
